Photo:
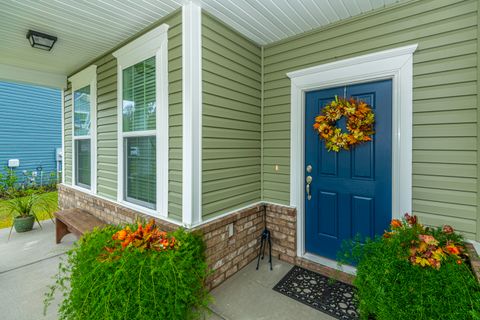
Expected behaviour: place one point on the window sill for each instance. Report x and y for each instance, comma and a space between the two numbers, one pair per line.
79, 188
138, 208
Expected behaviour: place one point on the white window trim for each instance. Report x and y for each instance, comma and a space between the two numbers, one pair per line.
192, 114
153, 43
395, 64
63, 135
86, 77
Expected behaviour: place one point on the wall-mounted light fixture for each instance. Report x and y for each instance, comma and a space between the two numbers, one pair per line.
41, 40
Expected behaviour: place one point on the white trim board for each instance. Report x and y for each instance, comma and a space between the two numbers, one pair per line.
34, 77
83, 78
192, 114
63, 135
395, 64
152, 44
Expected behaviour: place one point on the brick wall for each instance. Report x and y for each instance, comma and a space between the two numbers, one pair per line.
226, 252
105, 210
282, 222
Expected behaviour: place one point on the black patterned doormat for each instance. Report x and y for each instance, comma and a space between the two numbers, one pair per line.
322, 293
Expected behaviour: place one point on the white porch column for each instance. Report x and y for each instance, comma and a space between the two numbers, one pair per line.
192, 114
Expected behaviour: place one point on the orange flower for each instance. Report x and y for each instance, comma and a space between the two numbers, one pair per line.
120, 235
396, 223
452, 249
459, 261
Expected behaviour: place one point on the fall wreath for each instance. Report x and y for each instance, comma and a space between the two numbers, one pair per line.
360, 120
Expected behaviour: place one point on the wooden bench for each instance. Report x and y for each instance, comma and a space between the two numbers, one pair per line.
76, 221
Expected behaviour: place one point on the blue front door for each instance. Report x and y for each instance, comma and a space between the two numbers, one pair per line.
351, 191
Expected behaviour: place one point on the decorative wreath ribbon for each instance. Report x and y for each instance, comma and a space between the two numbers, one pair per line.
360, 120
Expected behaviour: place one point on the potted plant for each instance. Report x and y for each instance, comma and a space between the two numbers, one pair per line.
24, 211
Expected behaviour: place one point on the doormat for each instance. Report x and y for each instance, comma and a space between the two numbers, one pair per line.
322, 293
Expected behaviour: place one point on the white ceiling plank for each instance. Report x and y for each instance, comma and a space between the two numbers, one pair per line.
312, 7
351, 6
364, 5
230, 8
389, 2
291, 12
54, 22
238, 24
93, 13
87, 29
377, 3
290, 22
260, 16
275, 20
339, 9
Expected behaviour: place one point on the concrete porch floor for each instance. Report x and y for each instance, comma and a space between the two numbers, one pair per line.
248, 295
30, 260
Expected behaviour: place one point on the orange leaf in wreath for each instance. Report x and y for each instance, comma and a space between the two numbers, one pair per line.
360, 119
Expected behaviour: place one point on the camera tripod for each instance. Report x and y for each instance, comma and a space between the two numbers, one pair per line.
265, 238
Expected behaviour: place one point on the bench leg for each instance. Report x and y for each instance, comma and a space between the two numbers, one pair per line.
61, 230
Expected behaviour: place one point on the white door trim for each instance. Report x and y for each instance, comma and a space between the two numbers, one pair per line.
395, 64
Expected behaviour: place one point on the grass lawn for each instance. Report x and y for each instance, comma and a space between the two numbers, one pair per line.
6, 218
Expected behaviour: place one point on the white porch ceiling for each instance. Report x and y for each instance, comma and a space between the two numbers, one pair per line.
86, 29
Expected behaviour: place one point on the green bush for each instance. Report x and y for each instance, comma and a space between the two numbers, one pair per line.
132, 283
11, 186
398, 276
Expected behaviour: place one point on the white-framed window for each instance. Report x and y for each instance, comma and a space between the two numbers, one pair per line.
142, 76
84, 124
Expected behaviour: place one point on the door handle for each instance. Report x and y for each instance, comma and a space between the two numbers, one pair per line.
308, 180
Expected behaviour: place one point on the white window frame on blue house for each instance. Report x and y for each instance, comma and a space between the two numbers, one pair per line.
152, 44
82, 79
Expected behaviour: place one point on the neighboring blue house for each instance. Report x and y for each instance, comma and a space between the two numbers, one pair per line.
30, 128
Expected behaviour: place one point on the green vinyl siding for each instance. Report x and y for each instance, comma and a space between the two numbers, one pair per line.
445, 162
107, 120
231, 154
107, 127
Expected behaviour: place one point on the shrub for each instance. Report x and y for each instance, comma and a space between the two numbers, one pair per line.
414, 272
142, 274
11, 186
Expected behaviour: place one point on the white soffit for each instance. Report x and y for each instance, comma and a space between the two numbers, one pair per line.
85, 29
267, 21
88, 29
